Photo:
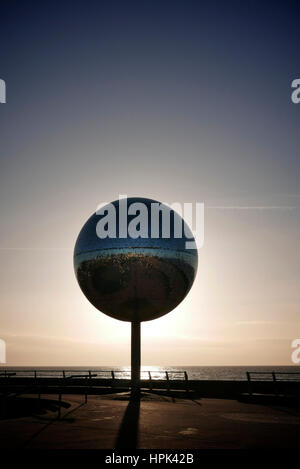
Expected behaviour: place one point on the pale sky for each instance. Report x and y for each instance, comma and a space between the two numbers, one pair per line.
189, 103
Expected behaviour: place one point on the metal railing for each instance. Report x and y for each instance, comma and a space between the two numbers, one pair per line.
150, 375
62, 381
271, 376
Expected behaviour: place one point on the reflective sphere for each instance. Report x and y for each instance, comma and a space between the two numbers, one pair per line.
134, 279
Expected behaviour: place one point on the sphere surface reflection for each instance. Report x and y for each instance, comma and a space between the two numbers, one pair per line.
135, 279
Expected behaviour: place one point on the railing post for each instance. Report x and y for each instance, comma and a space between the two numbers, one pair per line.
249, 383
186, 380
113, 378
168, 381
275, 383
86, 389
150, 380
90, 382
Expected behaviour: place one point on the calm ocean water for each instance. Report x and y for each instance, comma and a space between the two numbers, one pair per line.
194, 372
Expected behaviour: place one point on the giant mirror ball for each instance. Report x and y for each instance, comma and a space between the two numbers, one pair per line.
134, 279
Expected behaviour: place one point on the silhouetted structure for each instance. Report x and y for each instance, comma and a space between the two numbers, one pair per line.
135, 278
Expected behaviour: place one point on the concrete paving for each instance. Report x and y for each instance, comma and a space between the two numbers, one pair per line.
155, 422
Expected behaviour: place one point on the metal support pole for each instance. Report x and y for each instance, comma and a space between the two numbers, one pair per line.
135, 357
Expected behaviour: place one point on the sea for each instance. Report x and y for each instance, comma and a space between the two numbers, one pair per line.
159, 372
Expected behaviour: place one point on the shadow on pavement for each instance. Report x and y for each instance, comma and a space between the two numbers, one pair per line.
16, 407
129, 430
